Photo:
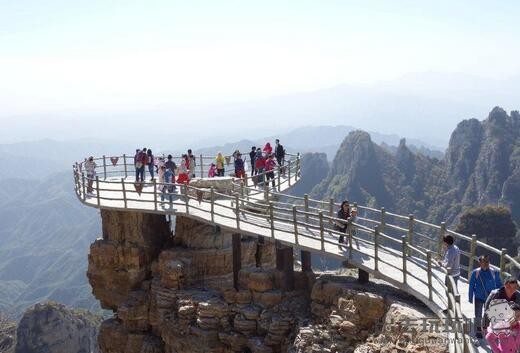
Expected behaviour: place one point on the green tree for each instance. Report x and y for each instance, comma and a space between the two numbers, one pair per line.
492, 225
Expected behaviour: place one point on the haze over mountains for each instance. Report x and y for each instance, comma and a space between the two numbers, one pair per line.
46, 233
426, 106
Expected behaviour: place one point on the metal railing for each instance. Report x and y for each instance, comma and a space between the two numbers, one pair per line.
306, 223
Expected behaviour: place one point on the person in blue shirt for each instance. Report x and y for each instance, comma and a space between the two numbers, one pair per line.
482, 281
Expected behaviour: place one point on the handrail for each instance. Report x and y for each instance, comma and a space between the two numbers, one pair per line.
260, 209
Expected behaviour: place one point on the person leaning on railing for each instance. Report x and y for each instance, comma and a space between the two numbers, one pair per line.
482, 282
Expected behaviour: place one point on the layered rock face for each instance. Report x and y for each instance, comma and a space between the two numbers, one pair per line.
53, 328
178, 296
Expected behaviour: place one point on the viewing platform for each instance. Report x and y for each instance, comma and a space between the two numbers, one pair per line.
399, 249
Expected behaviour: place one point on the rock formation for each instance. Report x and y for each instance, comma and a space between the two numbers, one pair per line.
175, 294
53, 328
481, 166
7, 334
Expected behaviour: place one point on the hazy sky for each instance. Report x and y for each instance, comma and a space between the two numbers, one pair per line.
102, 55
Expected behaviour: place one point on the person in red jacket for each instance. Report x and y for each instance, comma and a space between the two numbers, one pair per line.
270, 165
268, 149
259, 165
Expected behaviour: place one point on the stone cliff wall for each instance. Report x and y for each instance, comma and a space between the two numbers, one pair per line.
175, 294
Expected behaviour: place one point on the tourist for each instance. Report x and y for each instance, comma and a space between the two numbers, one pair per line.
239, 166
183, 177
90, 168
451, 260
151, 165
279, 153
252, 157
351, 228
482, 281
140, 163
212, 171
506, 339
219, 162
259, 165
170, 164
509, 291
168, 187
268, 149
344, 215
270, 165
192, 164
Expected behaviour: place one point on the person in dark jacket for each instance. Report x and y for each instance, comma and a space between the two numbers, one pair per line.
509, 291
482, 282
279, 153
343, 214
252, 158
239, 166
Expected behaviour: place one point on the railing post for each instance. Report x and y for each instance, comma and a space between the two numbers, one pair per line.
429, 262
271, 218
295, 221
104, 167
502, 263
350, 244
410, 232
321, 231
289, 171
124, 192
376, 245
331, 207
472, 250
442, 233
297, 166
404, 251
382, 223
84, 187
212, 195
306, 204
278, 178
237, 210
97, 191
124, 163
155, 194
242, 192
186, 199
201, 167
246, 178
266, 191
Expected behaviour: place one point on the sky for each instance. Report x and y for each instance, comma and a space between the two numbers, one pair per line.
63, 57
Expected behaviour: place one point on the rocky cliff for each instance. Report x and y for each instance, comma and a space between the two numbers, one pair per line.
7, 334
53, 328
173, 292
481, 166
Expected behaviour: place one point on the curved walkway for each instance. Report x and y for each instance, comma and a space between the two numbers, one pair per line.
398, 249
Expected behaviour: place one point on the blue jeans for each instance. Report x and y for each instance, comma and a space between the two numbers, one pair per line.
139, 174
479, 304
150, 170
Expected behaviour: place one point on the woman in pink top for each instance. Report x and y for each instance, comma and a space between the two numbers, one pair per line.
505, 340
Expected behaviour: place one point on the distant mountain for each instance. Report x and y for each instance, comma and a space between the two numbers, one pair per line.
481, 166
45, 235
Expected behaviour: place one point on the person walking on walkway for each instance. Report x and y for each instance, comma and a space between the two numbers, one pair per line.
270, 165
482, 281
343, 214
279, 153
170, 164
90, 167
252, 158
239, 167
151, 165
140, 163
192, 164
